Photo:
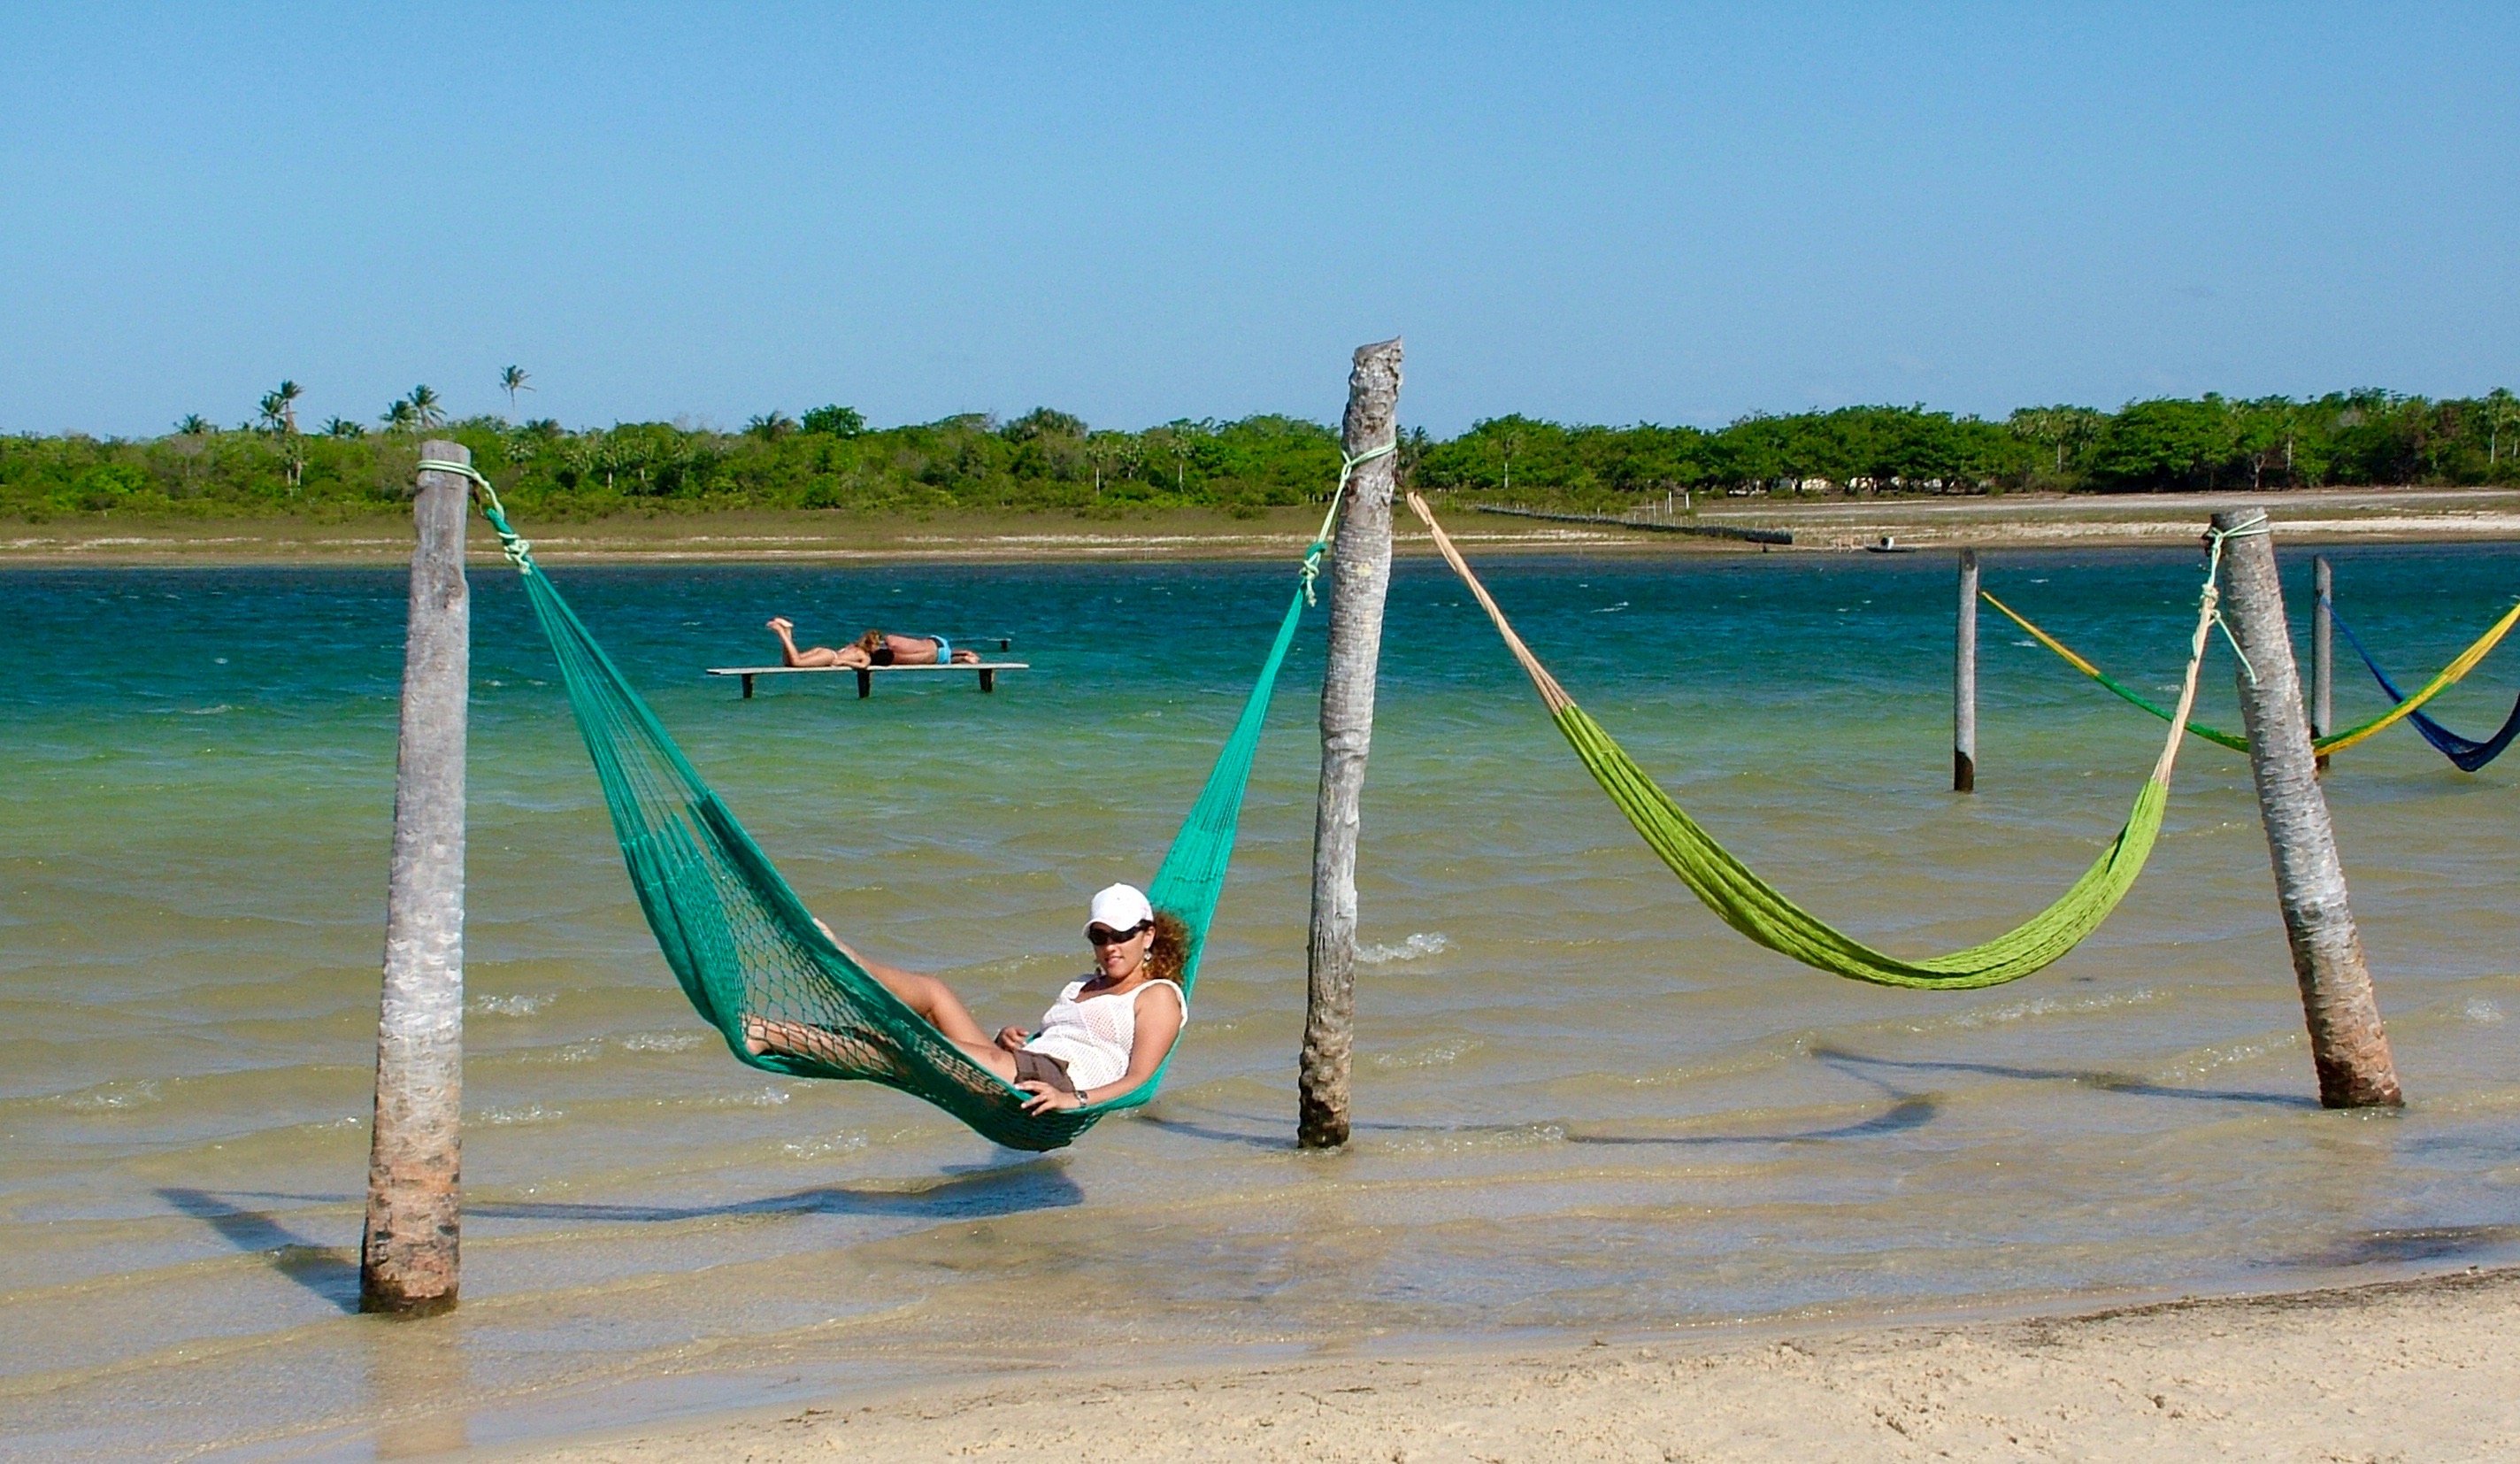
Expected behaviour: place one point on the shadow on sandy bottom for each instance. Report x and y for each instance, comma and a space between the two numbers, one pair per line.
2416, 1246
985, 1194
321, 1269
1906, 1111
328, 1272
1857, 1064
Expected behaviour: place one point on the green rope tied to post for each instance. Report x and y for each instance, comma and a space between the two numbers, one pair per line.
1322, 538
519, 549
1757, 909
743, 944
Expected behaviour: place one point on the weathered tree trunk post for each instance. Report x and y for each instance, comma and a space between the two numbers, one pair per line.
1359, 579
2322, 653
2347, 1042
1965, 681
408, 1262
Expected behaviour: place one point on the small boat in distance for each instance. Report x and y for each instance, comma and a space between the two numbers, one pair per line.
1889, 545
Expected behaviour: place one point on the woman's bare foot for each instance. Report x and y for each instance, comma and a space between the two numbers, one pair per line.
781, 625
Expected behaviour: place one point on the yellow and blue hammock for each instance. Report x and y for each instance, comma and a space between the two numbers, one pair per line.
2335, 742
2467, 754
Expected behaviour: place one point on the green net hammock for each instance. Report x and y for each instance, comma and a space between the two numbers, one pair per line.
2335, 742
1751, 905
744, 948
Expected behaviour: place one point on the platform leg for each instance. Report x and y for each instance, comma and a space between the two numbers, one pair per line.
988, 680
865, 684
747, 688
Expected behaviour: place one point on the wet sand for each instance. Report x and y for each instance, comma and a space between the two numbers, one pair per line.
2409, 1370
1832, 525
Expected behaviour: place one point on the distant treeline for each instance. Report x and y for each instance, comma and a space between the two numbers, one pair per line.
1048, 460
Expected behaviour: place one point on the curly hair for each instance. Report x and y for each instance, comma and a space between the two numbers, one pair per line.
1169, 953
877, 644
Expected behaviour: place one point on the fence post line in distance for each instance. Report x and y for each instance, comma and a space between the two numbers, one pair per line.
1965, 681
2323, 652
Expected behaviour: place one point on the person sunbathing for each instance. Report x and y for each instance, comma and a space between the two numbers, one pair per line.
875, 648
1098, 1042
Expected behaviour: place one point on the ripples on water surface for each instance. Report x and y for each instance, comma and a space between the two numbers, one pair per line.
1583, 1104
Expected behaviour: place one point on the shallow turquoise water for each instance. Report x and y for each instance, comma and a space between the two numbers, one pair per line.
1583, 1105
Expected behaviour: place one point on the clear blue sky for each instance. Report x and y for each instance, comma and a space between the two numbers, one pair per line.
1595, 213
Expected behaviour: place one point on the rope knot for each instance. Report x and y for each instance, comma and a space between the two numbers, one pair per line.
1311, 568
519, 549
2216, 539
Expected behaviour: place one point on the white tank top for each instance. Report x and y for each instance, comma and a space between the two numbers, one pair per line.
1094, 1037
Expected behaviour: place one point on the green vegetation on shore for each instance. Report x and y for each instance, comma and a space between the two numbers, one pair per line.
1049, 461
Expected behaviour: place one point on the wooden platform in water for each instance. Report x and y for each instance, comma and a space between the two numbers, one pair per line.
987, 669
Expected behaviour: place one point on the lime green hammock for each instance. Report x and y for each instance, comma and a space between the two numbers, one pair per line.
1754, 907
2335, 742
744, 948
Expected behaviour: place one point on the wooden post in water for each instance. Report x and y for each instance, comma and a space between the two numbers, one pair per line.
1965, 681
1360, 579
2323, 652
408, 1260
2347, 1042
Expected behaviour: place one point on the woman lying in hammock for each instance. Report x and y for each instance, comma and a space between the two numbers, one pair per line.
875, 648
1096, 1041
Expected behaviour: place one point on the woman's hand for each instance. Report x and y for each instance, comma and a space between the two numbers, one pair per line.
1012, 1038
1046, 1099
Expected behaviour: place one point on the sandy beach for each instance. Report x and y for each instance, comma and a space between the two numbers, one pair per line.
2416, 1370
1824, 524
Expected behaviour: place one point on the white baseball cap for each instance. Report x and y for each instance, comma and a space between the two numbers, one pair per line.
1121, 907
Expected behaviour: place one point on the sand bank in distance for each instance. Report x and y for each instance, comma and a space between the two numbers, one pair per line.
1835, 525
2408, 1370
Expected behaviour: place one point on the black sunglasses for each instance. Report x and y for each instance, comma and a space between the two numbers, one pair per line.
1101, 937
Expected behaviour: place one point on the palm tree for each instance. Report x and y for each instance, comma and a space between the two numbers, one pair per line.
513, 381
194, 428
1111, 454
2502, 414
1180, 440
399, 417
280, 416
343, 426
770, 426
426, 408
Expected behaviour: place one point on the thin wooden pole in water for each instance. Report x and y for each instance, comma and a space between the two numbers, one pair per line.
2323, 652
1360, 579
408, 1262
1965, 681
2347, 1042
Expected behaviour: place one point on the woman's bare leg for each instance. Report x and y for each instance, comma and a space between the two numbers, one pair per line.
819, 656
934, 1000
923, 994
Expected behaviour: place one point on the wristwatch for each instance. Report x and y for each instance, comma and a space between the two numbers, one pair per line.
1080, 1096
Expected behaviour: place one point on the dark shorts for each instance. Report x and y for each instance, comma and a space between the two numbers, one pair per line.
1041, 1067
